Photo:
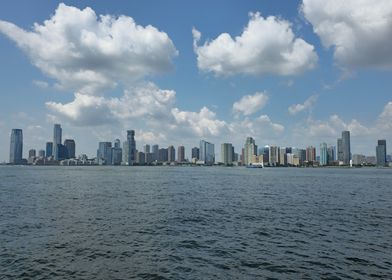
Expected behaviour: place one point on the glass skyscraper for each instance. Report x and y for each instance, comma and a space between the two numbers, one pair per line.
129, 148
227, 153
16, 146
323, 154
381, 153
207, 152
346, 147
57, 132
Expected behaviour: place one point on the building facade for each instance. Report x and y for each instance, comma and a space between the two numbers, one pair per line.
16, 146
381, 153
207, 152
227, 154
181, 154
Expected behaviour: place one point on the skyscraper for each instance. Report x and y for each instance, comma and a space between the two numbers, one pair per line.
146, 149
70, 148
381, 153
155, 152
250, 150
196, 153
171, 154
323, 154
104, 153
340, 149
331, 154
116, 153
41, 153
129, 148
310, 154
49, 149
346, 147
227, 153
57, 133
283, 156
16, 146
32, 153
273, 155
207, 152
181, 154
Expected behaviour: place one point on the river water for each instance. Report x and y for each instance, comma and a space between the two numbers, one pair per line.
195, 223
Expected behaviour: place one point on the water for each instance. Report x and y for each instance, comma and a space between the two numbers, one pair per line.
195, 223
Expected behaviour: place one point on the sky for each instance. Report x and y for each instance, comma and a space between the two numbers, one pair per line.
287, 73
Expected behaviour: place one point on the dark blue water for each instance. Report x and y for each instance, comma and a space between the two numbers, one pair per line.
195, 223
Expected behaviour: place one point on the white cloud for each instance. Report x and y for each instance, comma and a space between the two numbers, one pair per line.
89, 53
308, 104
250, 104
360, 31
40, 84
266, 46
147, 102
200, 124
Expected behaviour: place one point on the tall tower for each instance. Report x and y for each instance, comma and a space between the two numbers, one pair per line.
129, 148
70, 148
250, 149
346, 147
181, 154
381, 152
323, 154
57, 132
16, 146
227, 153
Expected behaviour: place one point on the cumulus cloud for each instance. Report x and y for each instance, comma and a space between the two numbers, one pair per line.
266, 46
308, 104
147, 101
250, 104
41, 84
89, 53
359, 31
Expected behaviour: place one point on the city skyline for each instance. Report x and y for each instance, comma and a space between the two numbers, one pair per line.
111, 153
184, 85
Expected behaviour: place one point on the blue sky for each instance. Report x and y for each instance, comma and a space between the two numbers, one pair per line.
230, 83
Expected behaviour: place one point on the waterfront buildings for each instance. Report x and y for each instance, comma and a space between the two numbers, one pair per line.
181, 154
70, 146
49, 149
129, 148
116, 153
273, 156
207, 152
16, 146
57, 134
283, 156
331, 153
195, 153
310, 154
323, 154
171, 154
250, 150
346, 149
227, 154
155, 152
381, 153
104, 153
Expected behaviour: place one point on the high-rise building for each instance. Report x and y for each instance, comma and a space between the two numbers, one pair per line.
129, 148
273, 155
32, 153
323, 154
162, 155
140, 158
207, 152
171, 154
104, 153
146, 149
381, 153
331, 154
16, 146
181, 154
155, 152
340, 149
49, 149
196, 153
283, 156
57, 134
116, 152
227, 153
346, 147
71, 147
250, 150
310, 154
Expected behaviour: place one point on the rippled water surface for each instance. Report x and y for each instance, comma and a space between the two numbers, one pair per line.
195, 223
